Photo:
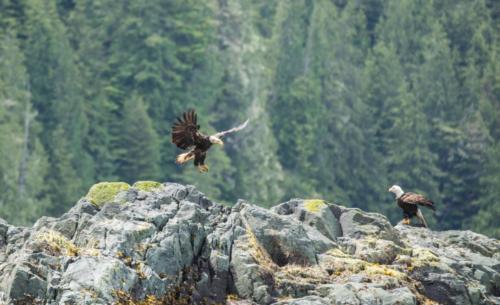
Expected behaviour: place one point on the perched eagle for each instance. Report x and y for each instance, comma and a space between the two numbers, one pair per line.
186, 135
409, 202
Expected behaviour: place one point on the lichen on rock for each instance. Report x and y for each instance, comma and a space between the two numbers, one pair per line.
314, 205
146, 186
104, 192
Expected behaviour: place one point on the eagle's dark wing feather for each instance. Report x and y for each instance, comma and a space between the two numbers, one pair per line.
185, 131
412, 198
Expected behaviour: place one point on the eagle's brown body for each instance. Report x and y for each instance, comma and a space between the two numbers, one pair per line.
409, 203
186, 135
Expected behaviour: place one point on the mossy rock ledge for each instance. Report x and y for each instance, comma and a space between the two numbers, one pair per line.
104, 192
169, 244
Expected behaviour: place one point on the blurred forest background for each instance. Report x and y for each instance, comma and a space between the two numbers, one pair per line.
345, 97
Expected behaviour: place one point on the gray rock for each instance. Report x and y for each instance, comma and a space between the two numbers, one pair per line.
23, 285
357, 224
252, 278
361, 294
319, 216
309, 300
173, 241
284, 239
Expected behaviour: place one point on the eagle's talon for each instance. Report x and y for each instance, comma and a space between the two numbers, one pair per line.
406, 221
203, 168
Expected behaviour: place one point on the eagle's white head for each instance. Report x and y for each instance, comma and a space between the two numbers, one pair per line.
215, 140
397, 190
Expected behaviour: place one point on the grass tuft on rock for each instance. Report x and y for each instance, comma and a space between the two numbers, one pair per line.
104, 192
57, 244
259, 254
314, 205
146, 186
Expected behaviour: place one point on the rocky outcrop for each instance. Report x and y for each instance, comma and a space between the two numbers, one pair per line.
169, 244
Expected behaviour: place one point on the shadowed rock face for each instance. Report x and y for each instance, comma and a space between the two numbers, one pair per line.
172, 245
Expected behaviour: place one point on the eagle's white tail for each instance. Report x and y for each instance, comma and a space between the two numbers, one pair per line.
185, 157
421, 217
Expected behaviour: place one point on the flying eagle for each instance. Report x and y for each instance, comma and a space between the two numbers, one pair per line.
186, 135
409, 202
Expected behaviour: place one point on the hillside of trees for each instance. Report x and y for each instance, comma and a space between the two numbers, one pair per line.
345, 99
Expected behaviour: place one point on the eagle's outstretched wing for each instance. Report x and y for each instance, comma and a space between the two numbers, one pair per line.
413, 198
185, 131
238, 128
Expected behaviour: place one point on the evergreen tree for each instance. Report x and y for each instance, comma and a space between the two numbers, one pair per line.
400, 123
245, 86
137, 146
405, 24
23, 165
90, 29
56, 97
486, 220
63, 181
343, 151
345, 98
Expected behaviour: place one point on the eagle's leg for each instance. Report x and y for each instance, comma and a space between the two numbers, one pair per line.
203, 168
406, 221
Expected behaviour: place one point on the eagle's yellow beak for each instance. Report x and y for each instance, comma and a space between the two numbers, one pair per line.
215, 140
219, 141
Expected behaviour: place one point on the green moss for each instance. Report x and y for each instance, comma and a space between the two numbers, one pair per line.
314, 205
146, 186
103, 192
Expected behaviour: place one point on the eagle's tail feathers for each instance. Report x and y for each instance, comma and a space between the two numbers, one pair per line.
420, 216
184, 157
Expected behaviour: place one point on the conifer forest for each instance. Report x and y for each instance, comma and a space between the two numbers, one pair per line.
345, 98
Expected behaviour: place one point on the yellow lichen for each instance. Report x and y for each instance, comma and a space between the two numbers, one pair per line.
57, 244
232, 297
314, 205
180, 294
124, 298
376, 269
302, 275
146, 186
423, 257
425, 254
104, 192
139, 269
336, 252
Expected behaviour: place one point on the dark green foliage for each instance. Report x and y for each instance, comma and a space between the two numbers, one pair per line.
486, 220
137, 150
345, 99
23, 162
